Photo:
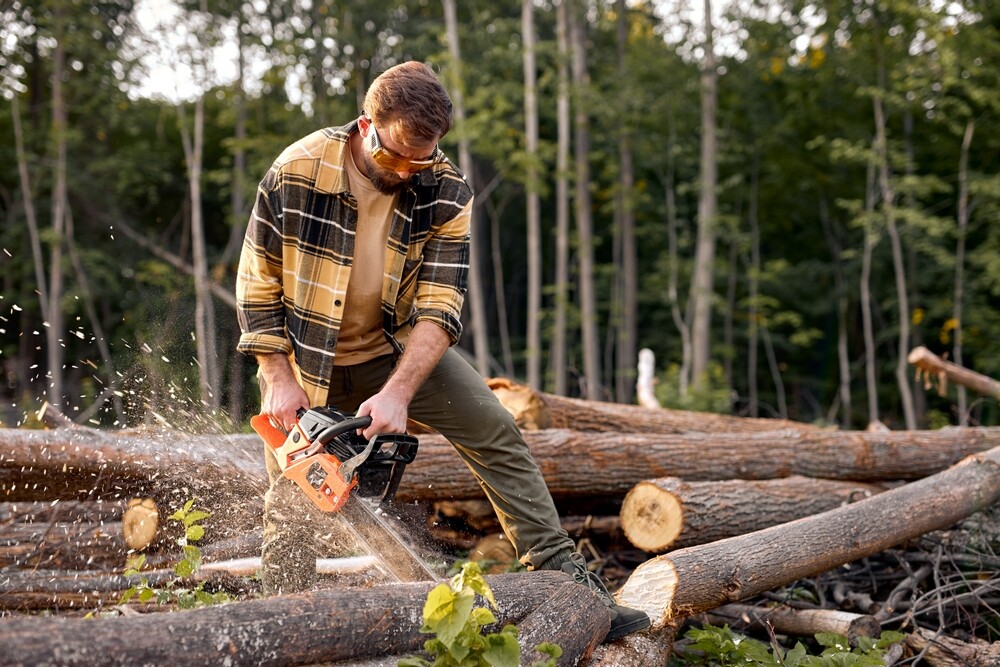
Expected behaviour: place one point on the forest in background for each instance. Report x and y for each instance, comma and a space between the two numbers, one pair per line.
779, 202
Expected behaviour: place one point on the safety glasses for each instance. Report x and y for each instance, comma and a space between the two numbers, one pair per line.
386, 158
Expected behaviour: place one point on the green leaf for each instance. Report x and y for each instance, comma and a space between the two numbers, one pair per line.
184, 568
146, 594
502, 649
195, 533
446, 612
196, 515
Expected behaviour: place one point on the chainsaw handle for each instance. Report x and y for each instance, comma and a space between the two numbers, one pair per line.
339, 428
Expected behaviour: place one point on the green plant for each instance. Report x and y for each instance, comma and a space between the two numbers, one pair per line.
451, 615
721, 647
188, 566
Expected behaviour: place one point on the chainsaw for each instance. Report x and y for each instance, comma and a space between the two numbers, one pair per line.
341, 472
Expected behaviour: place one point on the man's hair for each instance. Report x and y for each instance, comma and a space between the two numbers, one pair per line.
411, 97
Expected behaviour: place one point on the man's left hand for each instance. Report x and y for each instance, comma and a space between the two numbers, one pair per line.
388, 413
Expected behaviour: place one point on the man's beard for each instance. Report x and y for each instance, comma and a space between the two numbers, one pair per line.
385, 181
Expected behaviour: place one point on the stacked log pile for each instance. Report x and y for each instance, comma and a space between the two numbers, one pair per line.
688, 512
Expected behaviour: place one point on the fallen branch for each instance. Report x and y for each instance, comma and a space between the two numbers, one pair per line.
934, 368
801, 622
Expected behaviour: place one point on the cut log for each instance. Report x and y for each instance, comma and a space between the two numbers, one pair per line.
69, 511
324, 625
936, 370
703, 577
652, 647
669, 513
801, 622
574, 619
139, 523
938, 650
61, 545
535, 410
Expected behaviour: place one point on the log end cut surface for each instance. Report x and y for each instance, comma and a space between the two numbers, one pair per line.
651, 589
652, 517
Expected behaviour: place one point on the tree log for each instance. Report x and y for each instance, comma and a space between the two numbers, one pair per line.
652, 647
801, 622
535, 410
938, 650
583, 465
669, 513
226, 473
61, 545
574, 619
324, 625
935, 369
703, 577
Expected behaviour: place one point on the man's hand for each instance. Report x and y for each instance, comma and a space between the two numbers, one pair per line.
282, 395
388, 412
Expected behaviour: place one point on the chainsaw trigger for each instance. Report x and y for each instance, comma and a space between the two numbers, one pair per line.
348, 467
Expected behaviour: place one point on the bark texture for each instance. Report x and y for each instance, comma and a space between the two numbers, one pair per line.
323, 625
669, 513
574, 619
800, 622
700, 578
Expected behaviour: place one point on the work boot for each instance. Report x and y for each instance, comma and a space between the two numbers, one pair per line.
624, 621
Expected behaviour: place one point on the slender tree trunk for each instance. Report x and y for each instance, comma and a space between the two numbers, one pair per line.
684, 376
959, 291
534, 340
913, 266
701, 284
501, 299
477, 302
208, 360
53, 312
843, 358
584, 216
871, 383
627, 344
753, 288
559, 347
888, 208
29, 207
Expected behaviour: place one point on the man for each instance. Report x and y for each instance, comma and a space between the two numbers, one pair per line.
350, 290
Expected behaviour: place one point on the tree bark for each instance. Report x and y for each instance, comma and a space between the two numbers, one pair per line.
319, 626
669, 513
958, 293
801, 622
942, 651
651, 647
934, 368
558, 354
704, 577
574, 619
533, 215
540, 410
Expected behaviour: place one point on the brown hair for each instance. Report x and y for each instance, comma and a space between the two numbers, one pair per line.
410, 97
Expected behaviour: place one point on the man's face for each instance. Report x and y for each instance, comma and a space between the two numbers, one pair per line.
389, 164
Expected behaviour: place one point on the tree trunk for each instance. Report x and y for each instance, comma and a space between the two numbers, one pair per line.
208, 358
754, 316
934, 368
669, 513
477, 302
843, 358
319, 626
629, 273
670, 197
959, 290
865, 287
538, 410
533, 356
645, 384
53, 312
704, 577
651, 647
704, 264
558, 359
593, 388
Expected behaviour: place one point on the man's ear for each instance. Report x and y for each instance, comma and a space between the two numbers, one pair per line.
363, 124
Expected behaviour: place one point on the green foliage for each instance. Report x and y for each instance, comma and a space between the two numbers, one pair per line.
713, 396
174, 591
721, 647
450, 614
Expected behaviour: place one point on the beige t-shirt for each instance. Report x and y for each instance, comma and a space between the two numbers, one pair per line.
361, 338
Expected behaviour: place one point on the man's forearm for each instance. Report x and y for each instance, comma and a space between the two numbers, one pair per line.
425, 346
275, 368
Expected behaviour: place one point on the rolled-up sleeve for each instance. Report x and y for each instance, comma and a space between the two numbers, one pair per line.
444, 274
260, 305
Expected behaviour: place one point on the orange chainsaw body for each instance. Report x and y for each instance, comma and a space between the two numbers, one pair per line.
317, 474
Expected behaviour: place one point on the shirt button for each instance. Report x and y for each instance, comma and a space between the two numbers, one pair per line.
337, 302
330, 343
323, 383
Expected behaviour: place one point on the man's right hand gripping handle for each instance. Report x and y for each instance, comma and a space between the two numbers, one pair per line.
281, 395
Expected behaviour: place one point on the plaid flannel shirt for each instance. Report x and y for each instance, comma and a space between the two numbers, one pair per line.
297, 255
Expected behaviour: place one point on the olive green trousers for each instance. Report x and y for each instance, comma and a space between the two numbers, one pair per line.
455, 402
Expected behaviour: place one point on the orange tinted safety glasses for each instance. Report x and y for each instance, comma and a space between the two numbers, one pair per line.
393, 162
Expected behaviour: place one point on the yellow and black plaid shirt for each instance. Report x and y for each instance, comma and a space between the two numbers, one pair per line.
299, 248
